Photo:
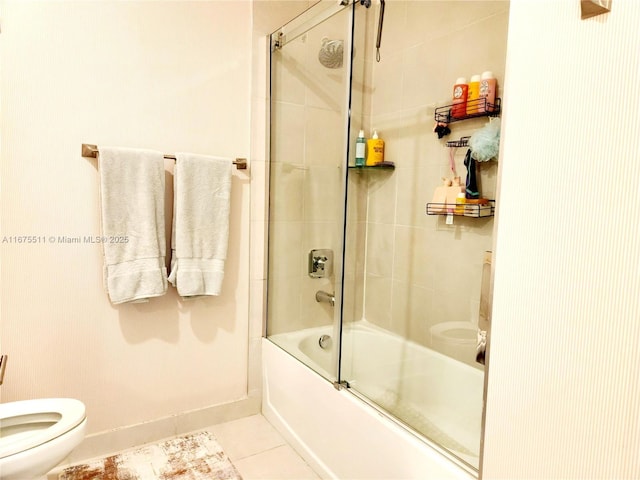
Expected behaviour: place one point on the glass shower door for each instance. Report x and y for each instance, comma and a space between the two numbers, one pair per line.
413, 283
310, 77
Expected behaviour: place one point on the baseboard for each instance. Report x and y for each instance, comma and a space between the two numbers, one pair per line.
111, 441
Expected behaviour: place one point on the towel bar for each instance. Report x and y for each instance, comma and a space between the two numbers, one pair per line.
91, 151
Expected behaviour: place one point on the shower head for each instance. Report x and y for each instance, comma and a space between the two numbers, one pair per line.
331, 53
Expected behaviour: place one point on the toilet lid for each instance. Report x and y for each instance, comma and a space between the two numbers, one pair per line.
67, 413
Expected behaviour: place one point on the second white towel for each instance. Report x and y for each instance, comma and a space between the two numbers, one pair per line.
200, 233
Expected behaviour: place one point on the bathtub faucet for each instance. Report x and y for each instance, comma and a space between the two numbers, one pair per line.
325, 297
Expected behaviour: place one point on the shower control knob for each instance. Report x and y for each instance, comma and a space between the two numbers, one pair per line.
320, 263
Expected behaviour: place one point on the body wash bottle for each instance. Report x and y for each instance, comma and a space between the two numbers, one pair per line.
460, 92
488, 89
375, 150
360, 149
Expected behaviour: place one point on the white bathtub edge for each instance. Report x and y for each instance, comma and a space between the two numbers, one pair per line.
293, 439
337, 434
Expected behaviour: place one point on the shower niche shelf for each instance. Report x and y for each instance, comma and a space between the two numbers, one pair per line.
481, 106
471, 210
380, 166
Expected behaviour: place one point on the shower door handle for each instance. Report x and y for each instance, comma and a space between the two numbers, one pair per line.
379, 38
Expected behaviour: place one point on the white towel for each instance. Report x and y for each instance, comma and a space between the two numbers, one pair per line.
132, 194
199, 238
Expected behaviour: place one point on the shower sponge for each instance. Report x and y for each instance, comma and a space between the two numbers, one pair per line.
485, 143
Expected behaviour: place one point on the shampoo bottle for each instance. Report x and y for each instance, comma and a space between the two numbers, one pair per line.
375, 150
360, 149
473, 95
460, 92
487, 92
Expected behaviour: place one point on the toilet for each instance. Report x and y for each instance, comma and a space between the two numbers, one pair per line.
35, 435
457, 340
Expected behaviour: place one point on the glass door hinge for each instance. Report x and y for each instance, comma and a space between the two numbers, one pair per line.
277, 41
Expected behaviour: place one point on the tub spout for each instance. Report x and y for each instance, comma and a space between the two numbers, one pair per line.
325, 297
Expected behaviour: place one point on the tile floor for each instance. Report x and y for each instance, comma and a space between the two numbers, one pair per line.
257, 450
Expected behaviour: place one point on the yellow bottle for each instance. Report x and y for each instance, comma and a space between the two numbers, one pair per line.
473, 96
460, 201
375, 150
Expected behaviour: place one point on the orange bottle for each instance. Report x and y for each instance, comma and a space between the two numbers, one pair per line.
460, 92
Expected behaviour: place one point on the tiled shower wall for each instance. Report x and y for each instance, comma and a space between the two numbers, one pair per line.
419, 271
404, 270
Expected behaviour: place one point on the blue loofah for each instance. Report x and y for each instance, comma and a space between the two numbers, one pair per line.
485, 143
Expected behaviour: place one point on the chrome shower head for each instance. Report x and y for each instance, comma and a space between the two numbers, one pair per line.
331, 53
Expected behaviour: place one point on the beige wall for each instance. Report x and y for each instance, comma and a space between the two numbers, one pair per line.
418, 270
164, 75
564, 367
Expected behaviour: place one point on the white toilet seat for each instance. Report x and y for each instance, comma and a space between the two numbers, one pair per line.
64, 414
455, 332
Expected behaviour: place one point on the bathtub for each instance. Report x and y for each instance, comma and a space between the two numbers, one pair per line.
342, 436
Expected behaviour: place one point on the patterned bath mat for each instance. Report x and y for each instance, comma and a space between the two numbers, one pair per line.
190, 457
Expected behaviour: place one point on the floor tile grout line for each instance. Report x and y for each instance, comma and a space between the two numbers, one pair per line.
285, 444
272, 447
